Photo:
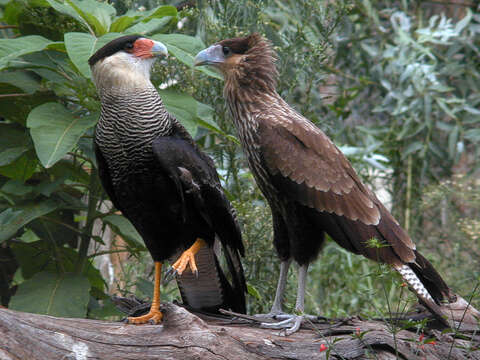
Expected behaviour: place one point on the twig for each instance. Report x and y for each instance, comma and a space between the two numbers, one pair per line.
13, 95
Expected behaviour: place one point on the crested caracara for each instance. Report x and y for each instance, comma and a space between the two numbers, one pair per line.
162, 182
312, 188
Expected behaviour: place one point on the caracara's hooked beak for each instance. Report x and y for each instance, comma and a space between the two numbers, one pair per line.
158, 49
210, 56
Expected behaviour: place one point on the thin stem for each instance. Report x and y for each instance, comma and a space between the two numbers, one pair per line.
57, 254
91, 216
13, 95
72, 228
76, 154
106, 253
409, 194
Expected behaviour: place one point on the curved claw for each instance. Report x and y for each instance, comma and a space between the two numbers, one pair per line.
187, 259
288, 326
170, 274
153, 317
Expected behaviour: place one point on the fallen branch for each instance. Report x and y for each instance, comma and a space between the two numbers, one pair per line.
184, 335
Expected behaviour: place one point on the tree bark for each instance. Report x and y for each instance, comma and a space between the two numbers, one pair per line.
184, 335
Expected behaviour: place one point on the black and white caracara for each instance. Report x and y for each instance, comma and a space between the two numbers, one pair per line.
156, 175
312, 188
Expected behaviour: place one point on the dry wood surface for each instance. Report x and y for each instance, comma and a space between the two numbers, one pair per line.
185, 335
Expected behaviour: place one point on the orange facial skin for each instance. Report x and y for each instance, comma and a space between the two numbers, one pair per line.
142, 48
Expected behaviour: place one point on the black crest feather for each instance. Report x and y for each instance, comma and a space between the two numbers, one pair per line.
112, 47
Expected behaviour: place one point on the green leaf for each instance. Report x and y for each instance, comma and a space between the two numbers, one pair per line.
55, 131
97, 14
39, 256
124, 228
68, 10
253, 292
183, 107
473, 135
14, 142
412, 148
22, 168
205, 119
151, 26
12, 219
144, 287
452, 141
443, 105
159, 12
17, 188
47, 293
105, 310
185, 48
11, 49
20, 79
121, 23
29, 236
80, 46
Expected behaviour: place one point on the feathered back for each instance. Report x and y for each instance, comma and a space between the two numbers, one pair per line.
256, 67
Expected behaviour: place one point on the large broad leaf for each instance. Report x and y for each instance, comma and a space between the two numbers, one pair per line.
153, 25
65, 295
185, 48
12, 219
205, 119
124, 228
55, 131
121, 23
158, 12
94, 15
22, 168
11, 49
22, 80
97, 14
142, 17
68, 10
183, 107
80, 46
39, 256
14, 142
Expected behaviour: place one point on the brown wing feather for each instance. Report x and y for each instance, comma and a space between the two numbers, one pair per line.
321, 177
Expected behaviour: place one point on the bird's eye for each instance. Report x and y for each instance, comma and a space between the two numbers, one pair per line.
226, 50
128, 46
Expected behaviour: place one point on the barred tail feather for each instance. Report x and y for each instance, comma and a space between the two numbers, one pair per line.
451, 309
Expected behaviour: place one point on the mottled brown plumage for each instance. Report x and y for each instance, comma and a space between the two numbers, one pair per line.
311, 187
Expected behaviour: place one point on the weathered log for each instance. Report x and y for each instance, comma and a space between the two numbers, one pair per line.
184, 335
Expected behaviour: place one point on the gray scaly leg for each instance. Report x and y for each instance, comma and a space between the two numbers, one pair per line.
292, 322
277, 307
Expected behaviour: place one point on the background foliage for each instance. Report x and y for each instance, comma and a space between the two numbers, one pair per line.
395, 82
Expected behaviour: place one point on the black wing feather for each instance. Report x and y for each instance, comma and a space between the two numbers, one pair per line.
195, 171
104, 176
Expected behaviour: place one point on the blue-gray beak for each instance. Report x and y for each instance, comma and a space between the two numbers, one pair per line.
210, 56
159, 49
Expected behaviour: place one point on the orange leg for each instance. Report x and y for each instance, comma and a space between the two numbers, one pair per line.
188, 258
154, 315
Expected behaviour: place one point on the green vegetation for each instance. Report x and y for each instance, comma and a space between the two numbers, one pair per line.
396, 83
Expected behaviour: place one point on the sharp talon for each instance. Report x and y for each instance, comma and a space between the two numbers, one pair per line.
153, 317
170, 274
287, 327
187, 259
196, 273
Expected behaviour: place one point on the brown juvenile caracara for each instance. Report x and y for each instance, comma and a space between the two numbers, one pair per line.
162, 182
312, 188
